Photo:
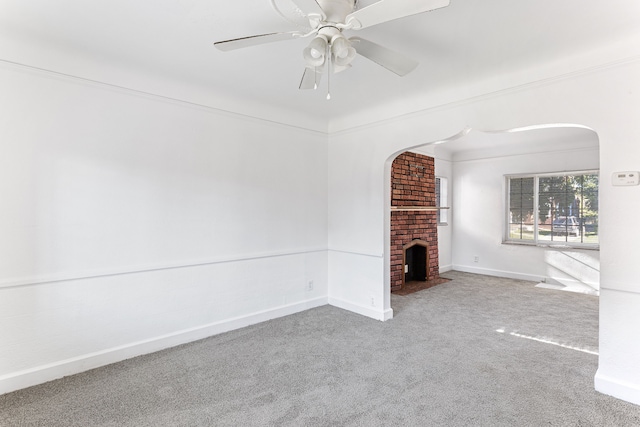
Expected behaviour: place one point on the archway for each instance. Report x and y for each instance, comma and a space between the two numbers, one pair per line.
492, 155
600, 98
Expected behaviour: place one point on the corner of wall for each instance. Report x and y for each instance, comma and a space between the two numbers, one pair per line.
372, 312
616, 388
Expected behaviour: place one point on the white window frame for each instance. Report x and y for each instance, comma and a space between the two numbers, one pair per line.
442, 185
535, 242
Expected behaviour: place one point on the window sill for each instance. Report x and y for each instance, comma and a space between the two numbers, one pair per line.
563, 246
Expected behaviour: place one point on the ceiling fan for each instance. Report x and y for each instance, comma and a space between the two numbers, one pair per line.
326, 20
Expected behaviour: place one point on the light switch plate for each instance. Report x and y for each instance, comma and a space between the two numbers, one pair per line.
625, 178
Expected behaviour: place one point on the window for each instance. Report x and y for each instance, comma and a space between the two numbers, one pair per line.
557, 208
441, 200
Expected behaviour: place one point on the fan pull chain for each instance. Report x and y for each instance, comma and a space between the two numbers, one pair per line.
329, 71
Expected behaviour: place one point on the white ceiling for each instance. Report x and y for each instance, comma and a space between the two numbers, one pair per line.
166, 47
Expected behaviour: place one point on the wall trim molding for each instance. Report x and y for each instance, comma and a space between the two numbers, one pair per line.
370, 255
372, 312
616, 388
150, 95
45, 373
66, 277
445, 268
533, 84
553, 282
498, 273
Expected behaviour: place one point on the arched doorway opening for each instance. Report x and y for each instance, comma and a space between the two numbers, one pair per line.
476, 164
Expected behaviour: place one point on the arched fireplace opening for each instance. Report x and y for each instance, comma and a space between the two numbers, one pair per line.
416, 261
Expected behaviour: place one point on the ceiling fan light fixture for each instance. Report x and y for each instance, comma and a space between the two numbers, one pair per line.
342, 51
314, 54
329, 49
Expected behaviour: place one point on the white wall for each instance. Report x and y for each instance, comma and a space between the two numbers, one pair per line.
131, 223
444, 169
478, 227
605, 99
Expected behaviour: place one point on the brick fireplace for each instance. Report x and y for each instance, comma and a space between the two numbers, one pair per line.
414, 234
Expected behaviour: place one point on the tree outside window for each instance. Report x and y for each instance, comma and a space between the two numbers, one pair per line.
565, 207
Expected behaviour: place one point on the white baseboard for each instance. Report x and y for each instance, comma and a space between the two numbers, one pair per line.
498, 273
445, 268
372, 312
618, 389
566, 284
576, 287
41, 374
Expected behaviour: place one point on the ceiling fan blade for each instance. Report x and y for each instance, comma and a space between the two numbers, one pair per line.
389, 59
388, 10
311, 78
309, 7
227, 45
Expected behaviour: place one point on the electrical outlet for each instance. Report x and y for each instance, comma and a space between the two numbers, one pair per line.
310, 285
476, 258
373, 301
